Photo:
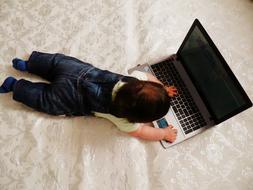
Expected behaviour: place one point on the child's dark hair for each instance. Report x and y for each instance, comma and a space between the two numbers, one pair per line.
141, 101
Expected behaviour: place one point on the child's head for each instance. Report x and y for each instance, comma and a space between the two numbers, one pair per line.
141, 101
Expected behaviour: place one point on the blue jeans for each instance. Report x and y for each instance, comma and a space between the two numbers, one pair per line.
62, 95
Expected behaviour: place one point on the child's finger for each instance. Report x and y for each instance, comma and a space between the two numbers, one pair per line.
175, 130
170, 126
173, 90
173, 93
170, 87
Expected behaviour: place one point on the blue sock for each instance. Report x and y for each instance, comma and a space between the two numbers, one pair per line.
19, 64
8, 85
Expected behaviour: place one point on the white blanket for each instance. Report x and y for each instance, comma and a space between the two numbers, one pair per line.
43, 152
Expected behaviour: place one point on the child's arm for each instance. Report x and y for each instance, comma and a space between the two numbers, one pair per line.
147, 132
152, 78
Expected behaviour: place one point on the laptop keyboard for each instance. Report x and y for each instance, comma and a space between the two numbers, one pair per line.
183, 104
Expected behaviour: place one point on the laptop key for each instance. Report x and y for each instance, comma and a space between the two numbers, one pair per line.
175, 109
188, 131
195, 128
181, 112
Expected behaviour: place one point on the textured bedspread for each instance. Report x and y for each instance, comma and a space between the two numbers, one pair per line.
43, 152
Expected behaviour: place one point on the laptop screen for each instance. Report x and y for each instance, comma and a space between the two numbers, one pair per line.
215, 82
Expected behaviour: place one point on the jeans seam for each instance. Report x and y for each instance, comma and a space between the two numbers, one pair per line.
83, 73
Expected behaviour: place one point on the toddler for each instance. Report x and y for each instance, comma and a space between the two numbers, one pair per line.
77, 88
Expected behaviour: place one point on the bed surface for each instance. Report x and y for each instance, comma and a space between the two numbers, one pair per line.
38, 151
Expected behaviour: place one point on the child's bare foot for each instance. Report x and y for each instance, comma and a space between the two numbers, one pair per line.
171, 134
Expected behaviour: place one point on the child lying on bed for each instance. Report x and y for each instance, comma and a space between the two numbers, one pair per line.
78, 89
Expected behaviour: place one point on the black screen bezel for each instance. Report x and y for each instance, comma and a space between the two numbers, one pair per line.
248, 102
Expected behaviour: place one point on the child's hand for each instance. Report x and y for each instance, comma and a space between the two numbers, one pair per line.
171, 90
171, 134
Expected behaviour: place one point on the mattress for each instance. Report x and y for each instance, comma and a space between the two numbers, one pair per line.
39, 151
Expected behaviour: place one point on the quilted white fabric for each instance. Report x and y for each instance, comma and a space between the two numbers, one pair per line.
43, 152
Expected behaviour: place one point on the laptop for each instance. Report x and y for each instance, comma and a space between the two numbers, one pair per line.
208, 91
